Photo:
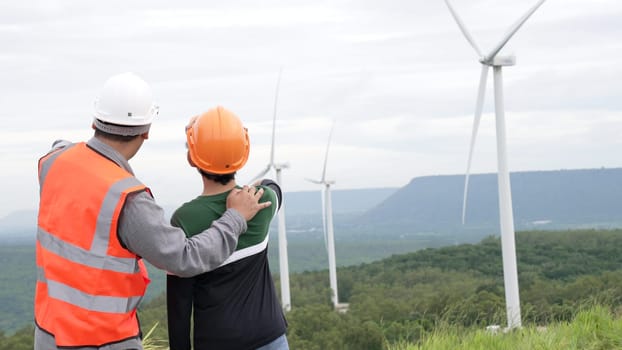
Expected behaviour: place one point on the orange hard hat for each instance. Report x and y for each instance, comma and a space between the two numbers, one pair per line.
217, 142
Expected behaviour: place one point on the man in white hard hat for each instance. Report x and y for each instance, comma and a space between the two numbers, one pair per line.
97, 221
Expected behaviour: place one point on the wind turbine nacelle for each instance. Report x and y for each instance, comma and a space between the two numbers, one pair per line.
505, 60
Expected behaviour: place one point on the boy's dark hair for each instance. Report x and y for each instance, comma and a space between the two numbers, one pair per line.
222, 179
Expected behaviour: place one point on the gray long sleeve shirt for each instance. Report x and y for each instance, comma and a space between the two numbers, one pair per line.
144, 231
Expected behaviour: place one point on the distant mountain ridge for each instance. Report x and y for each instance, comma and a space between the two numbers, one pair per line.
344, 201
303, 204
541, 199
18, 225
431, 205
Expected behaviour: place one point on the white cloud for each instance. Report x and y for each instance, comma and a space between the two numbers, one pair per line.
264, 16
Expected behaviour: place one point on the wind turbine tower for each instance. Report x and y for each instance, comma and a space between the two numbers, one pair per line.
506, 218
286, 303
329, 236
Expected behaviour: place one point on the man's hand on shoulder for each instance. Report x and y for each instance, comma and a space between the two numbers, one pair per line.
246, 201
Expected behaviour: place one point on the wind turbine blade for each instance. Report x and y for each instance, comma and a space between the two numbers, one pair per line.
317, 182
478, 115
513, 30
330, 136
261, 174
276, 99
465, 32
324, 227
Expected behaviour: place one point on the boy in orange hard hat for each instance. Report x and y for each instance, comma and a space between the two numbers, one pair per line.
235, 306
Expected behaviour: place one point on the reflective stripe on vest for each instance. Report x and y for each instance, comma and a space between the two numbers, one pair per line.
84, 257
46, 163
87, 301
88, 289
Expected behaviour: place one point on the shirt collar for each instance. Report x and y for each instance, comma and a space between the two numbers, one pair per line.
110, 153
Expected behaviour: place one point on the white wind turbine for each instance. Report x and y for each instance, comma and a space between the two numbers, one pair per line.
510, 273
327, 221
283, 259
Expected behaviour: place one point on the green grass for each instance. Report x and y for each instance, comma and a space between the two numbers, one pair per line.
151, 342
593, 329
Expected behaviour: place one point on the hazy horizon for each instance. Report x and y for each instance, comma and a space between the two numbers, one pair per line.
315, 206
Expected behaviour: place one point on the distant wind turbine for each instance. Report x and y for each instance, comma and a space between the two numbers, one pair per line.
510, 273
283, 259
327, 221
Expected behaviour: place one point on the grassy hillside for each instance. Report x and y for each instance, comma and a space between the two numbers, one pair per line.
405, 299
408, 299
593, 328
17, 280
306, 253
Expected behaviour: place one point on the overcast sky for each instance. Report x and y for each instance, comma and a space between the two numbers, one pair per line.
397, 76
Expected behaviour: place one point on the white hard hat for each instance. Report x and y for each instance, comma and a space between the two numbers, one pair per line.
125, 99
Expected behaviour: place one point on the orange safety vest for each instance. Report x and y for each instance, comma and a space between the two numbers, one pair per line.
88, 285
